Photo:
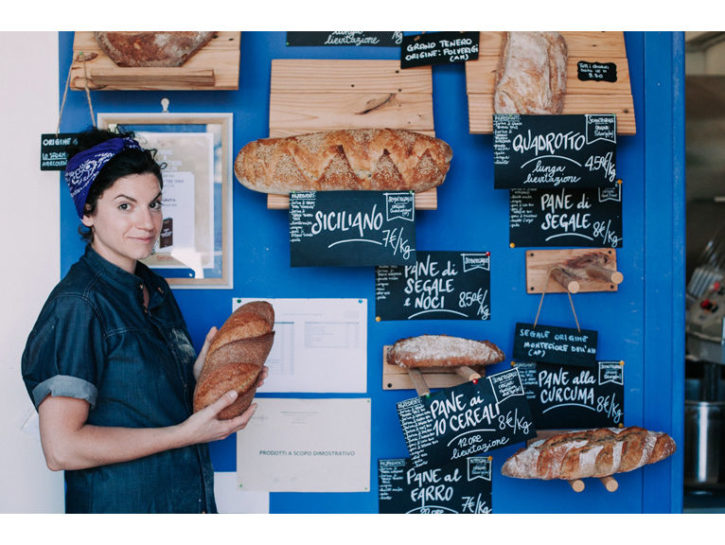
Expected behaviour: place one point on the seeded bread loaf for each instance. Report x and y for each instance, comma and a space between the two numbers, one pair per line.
596, 452
350, 159
236, 357
443, 351
531, 77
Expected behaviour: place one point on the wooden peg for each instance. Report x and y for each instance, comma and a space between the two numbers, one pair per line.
577, 485
565, 279
610, 483
600, 273
416, 377
467, 373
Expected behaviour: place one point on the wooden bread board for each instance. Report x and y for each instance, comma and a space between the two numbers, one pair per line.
582, 97
538, 263
312, 95
214, 67
397, 378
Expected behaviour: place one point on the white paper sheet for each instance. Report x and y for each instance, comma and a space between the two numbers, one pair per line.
320, 345
306, 445
231, 499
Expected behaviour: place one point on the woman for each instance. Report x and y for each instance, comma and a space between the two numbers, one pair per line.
109, 364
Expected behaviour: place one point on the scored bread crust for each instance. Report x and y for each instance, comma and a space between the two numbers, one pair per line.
532, 73
235, 358
152, 49
443, 351
598, 452
346, 159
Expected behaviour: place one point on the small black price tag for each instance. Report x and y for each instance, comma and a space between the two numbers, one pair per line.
52, 150
596, 71
439, 48
555, 344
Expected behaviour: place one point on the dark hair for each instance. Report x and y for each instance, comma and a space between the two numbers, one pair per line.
129, 161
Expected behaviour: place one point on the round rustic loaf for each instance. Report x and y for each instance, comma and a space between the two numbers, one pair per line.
235, 358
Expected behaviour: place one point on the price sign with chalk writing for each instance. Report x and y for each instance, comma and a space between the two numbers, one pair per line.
587, 218
438, 286
563, 396
466, 420
548, 151
439, 48
552, 344
52, 150
352, 228
463, 486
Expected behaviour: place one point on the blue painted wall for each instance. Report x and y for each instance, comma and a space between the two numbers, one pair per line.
642, 324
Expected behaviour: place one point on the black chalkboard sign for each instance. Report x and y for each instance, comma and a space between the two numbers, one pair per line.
466, 420
552, 344
588, 218
438, 48
345, 38
566, 397
545, 151
52, 150
352, 228
438, 286
596, 71
461, 487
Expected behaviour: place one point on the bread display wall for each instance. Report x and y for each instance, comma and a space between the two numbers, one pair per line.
443, 351
159, 49
596, 452
235, 358
348, 159
531, 76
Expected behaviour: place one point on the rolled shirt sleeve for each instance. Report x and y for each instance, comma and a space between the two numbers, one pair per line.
64, 351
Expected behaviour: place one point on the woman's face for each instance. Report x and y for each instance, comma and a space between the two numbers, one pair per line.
127, 220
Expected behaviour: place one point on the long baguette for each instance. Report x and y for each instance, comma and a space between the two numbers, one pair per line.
598, 452
348, 159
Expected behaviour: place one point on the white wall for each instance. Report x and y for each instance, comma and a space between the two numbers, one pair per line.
30, 264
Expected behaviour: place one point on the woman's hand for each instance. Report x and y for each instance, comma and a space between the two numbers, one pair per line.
205, 426
199, 363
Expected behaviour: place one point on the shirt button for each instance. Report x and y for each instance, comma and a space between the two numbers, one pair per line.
140, 286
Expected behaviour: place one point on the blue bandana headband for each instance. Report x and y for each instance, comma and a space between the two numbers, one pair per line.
83, 167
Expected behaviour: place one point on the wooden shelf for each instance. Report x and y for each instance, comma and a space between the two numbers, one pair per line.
213, 67
582, 97
313, 95
397, 378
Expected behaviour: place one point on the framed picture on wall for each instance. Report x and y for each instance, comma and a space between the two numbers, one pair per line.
194, 151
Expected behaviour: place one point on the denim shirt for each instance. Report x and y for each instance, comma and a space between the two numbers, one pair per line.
94, 340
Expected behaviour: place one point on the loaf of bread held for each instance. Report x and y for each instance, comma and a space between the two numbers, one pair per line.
531, 76
158, 49
235, 358
443, 351
598, 452
348, 159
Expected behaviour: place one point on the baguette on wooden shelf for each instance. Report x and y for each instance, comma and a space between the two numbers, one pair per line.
347, 159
